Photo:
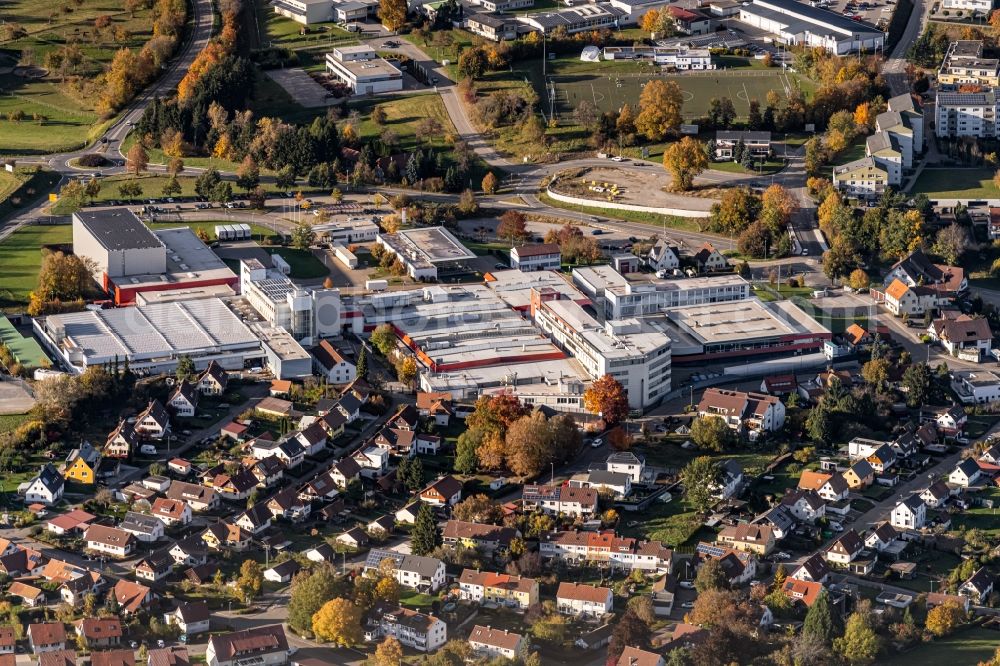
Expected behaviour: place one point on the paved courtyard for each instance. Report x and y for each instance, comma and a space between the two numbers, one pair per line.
303, 89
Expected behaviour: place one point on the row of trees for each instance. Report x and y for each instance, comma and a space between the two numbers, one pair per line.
759, 221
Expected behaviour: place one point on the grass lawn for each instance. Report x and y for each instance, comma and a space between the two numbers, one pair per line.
965, 647
653, 219
304, 265
24, 187
673, 523
156, 156
10, 422
21, 257
956, 183
765, 169
979, 426
66, 112
855, 151
414, 599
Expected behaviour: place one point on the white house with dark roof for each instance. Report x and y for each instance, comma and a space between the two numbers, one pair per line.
45, 488
813, 569
881, 537
183, 401
978, 587
909, 514
937, 494
965, 474
261, 646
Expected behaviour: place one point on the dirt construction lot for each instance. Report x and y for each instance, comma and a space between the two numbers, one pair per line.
641, 188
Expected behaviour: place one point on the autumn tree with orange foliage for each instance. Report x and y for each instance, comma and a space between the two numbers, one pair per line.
608, 397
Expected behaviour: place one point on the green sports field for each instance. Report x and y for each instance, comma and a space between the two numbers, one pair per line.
608, 90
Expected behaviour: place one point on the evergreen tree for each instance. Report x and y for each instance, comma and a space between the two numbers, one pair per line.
819, 619
425, 535
413, 168
363, 363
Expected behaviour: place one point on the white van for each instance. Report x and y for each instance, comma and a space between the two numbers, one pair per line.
148, 449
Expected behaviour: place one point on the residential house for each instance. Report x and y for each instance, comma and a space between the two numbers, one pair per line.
121, 441
862, 447
560, 500
965, 474
445, 491
709, 260
779, 518
122, 657
331, 364
917, 269
491, 643
805, 505
312, 439
727, 141
881, 537
408, 514
938, 493
344, 471
256, 519
965, 337
804, 591
935, 599
213, 381
435, 406
289, 451
276, 407
859, 475
235, 431
606, 548
978, 587
419, 631
288, 504
131, 597
845, 548
373, 462
99, 632
910, 514
168, 656
663, 257
633, 656
424, 574
29, 595
813, 569
110, 540
71, 522
145, 528
200, 498
7, 642
830, 487
487, 538
991, 456
600, 479
583, 600
354, 537
626, 462
153, 422
349, 406
261, 646
226, 536
46, 637
536, 257
730, 479
190, 551
406, 417
322, 487
779, 385
950, 421
324, 552
268, 471
904, 300
750, 412
748, 537
81, 464
46, 487
171, 512
156, 566
882, 459
183, 401
180, 467
503, 589
283, 572
740, 567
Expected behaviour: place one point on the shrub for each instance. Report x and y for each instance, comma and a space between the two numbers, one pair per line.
92, 160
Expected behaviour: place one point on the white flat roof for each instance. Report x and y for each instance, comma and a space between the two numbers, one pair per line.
514, 286
437, 244
736, 321
523, 374
188, 258
150, 331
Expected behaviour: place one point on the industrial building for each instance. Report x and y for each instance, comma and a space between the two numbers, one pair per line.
798, 23
717, 331
621, 297
363, 71
131, 259
424, 249
349, 231
678, 57
305, 313
309, 12
635, 352
151, 337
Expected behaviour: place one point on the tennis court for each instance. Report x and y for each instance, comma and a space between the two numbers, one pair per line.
609, 90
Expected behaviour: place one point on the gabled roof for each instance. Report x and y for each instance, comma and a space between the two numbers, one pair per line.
131, 596
815, 566
536, 250
885, 532
849, 542
862, 468
581, 592
913, 502
460, 529
498, 638
980, 581
137, 522
96, 628
259, 641
805, 591
216, 373
109, 536
55, 658
49, 477
186, 391
156, 411
897, 289
446, 486
939, 490
168, 656
47, 633
122, 657
968, 467
327, 355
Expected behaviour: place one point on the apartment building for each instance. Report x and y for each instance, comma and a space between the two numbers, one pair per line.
511, 591
960, 114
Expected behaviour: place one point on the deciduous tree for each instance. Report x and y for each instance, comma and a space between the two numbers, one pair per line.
860, 644
945, 618
684, 160
138, 159
699, 478
383, 338
490, 183
607, 397
710, 577
388, 653
513, 227
338, 621
659, 109
711, 433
